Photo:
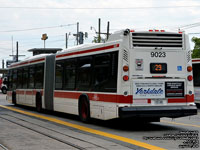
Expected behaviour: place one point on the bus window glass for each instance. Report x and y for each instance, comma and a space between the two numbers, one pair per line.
20, 79
196, 74
25, 78
59, 75
31, 77
14, 85
105, 73
39, 76
10, 76
70, 74
84, 73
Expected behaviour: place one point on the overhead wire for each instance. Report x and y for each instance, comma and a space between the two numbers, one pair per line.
39, 28
113, 8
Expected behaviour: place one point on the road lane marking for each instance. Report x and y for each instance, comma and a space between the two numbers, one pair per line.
183, 124
90, 130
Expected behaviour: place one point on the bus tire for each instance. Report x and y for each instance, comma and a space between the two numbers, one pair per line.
38, 102
14, 101
84, 109
4, 90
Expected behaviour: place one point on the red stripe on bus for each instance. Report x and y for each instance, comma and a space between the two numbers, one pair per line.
88, 51
33, 92
149, 101
177, 100
190, 98
187, 99
33, 61
96, 97
125, 99
198, 60
67, 95
9, 93
29, 92
20, 92
27, 62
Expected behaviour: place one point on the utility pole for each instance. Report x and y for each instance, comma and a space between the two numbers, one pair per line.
77, 35
108, 28
16, 57
67, 37
17, 53
3, 63
66, 44
99, 32
12, 44
99, 36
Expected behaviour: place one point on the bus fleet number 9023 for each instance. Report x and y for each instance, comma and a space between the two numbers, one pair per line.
158, 54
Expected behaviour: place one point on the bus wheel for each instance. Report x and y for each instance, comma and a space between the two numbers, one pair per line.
84, 109
4, 91
38, 102
14, 98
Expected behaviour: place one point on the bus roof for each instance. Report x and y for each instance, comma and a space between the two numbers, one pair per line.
28, 60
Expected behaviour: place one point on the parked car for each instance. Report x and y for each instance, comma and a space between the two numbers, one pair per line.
1, 80
4, 87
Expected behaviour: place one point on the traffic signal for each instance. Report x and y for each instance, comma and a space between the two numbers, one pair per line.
81, 38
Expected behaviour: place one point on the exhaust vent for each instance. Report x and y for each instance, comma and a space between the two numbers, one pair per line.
188, 56
125, 55
157, 40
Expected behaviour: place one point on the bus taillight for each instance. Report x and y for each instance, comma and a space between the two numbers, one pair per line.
190, 78
125, 78
125, 68
189, 68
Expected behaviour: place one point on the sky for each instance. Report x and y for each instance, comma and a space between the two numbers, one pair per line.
26, 20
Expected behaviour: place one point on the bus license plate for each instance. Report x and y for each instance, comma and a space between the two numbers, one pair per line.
158, 102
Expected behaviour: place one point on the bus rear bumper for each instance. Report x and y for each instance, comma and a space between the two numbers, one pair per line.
157, 111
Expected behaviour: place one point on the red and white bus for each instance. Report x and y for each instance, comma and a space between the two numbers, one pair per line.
196, 75
134, 74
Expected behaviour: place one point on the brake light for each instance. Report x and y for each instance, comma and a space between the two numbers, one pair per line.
125, 78
125, 68
190, 78
189, 68
162, 30
150, 30
156, 30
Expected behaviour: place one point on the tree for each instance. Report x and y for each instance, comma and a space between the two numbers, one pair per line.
196, 50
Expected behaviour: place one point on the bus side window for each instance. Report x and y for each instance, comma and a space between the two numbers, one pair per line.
70, 74
59, 75
84, 73
39, 76
196, 74
19, 78
31, 77
10, 76
25, 78
105, 73
14, 85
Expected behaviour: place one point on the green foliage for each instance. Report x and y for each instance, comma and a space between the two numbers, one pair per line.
196, 50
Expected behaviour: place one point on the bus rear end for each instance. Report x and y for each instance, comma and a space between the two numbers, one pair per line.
159, 75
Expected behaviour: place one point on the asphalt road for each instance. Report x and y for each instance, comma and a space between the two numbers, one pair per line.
20, 131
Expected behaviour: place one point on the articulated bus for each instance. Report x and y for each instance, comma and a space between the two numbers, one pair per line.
196, 75
144, 75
